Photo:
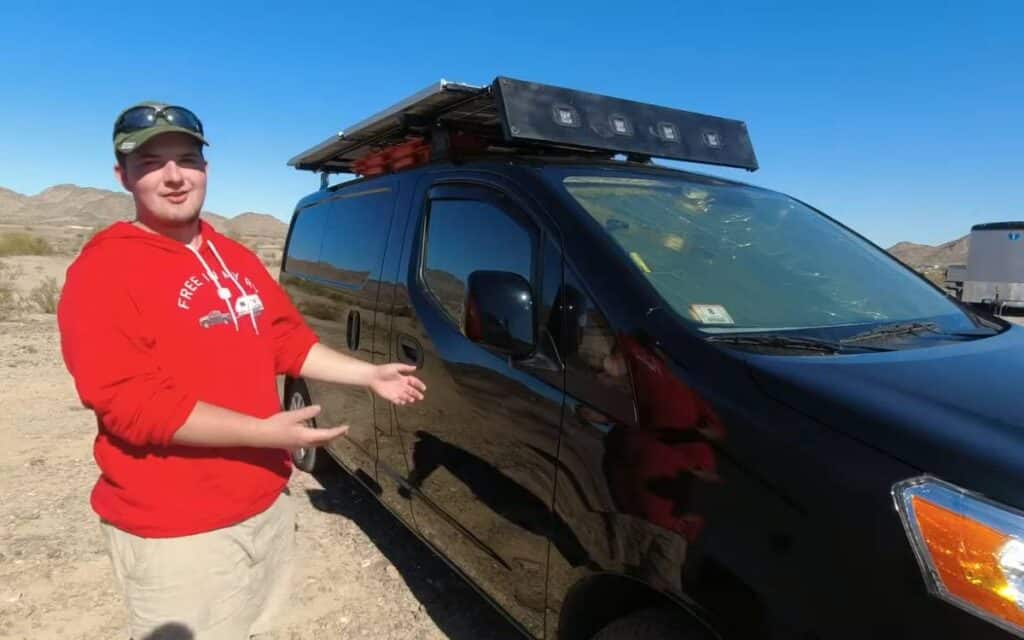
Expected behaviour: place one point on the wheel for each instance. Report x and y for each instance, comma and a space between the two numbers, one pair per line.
652, 624
312, 460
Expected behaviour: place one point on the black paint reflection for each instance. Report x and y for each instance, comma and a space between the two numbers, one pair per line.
330, 309
500, 493
482, 496
637, 493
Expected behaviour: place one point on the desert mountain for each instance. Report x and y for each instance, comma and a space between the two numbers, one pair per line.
10, 200
67, 215
255, 224
924, 255
68, 205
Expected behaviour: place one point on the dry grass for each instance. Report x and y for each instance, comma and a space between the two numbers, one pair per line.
23, 244
16, 301
8, 299
45, 296
85, 237
11, 304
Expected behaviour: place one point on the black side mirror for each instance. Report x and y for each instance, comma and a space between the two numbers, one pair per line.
499, 312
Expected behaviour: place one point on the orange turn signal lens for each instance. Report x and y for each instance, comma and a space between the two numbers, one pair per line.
971, 550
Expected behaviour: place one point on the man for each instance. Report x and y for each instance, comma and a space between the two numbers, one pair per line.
174, 334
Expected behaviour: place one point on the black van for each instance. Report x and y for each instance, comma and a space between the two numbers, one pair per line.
661, 404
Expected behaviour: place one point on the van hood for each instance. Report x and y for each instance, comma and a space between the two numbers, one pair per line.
955, 410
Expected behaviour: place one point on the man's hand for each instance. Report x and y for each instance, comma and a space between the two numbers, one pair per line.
290, 430
391, 382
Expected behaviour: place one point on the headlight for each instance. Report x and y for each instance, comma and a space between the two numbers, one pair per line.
971, 549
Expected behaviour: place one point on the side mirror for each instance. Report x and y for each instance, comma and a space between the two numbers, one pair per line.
499, 312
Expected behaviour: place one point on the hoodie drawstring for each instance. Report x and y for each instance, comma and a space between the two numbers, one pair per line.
231, 276
222, 292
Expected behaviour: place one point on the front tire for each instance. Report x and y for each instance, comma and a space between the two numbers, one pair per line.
311, 460
652, 624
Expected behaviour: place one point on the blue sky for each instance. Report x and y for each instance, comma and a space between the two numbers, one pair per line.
903, 120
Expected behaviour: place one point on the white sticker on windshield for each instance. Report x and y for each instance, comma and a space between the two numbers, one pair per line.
710, 314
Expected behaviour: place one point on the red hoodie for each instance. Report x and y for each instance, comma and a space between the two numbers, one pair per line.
147, 330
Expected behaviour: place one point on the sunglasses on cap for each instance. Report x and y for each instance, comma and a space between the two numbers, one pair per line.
144, 117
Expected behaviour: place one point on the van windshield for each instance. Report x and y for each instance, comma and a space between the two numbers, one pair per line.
732, 258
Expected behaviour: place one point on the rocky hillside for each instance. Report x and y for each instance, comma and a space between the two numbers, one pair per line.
924, 255
66, 214
931, 261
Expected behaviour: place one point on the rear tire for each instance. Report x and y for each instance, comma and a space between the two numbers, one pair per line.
652, 624
314, 460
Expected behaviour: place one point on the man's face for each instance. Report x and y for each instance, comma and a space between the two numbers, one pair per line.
167, 177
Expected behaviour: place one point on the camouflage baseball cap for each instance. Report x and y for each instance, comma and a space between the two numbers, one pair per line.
141, 122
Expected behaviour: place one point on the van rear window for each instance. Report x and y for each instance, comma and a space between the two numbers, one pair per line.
304, 244
355, 237
342, 239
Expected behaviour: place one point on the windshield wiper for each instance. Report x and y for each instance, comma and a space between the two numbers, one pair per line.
900, 329
911, 328
787, 342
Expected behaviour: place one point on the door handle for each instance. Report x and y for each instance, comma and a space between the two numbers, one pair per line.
409, 350
352, 330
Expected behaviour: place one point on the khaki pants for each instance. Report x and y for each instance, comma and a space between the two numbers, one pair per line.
226, 584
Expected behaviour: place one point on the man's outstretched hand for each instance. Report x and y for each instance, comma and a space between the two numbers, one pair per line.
212, 426
289, 430
394, 383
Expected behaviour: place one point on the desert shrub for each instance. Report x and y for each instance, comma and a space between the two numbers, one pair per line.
45, 296
247, 242
10, 303
23, 244
86, 236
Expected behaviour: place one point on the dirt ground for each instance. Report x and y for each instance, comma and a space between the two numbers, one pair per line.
360, 574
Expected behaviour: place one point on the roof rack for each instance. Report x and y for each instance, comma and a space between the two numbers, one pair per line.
523, 115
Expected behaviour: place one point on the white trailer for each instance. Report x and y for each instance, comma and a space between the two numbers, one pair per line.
995, 266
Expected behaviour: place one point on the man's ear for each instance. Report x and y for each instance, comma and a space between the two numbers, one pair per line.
119, 173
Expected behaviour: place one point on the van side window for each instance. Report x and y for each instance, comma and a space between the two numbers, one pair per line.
304, 244
463, 236
596, 371
355, 236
